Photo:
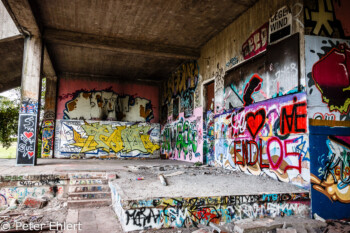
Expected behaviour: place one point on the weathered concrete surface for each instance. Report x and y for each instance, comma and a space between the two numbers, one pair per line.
8, 28
11, 53
64, 166
31, 68
136, 40
194, 182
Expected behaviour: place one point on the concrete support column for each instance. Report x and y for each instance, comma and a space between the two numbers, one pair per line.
49, 118
30, 89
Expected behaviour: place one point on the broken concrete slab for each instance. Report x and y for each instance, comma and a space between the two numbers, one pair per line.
34, 202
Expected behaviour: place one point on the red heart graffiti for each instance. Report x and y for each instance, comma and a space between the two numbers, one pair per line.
28, 134
255, 121
30, 153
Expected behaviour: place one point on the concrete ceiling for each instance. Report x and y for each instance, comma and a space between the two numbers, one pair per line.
133, 40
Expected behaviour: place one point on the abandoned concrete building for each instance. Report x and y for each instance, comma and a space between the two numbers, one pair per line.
236, 85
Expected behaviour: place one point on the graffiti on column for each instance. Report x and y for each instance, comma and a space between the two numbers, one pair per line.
208, 139
266, 138
47, 139
328, 86
26, 142
82, 139
29, 106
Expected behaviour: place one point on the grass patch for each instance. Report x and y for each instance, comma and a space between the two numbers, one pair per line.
9, 153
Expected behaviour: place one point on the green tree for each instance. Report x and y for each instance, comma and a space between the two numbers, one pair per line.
9, 111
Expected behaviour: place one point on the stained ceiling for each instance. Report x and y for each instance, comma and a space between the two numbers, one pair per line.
132, 40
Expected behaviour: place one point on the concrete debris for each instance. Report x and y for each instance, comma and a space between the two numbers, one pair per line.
319, 218
174, 174
33, 202
162, 180
288, 230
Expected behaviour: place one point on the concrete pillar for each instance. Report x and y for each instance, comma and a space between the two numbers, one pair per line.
28, 116
49, 118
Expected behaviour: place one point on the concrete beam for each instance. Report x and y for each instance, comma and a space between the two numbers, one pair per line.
119, 44
22, 15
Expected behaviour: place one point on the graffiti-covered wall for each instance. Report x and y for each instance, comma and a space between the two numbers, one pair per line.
182, 139
271, 75
106, 139
327, 18
193, 212
80, 99
327, 72
268, 137
182, 128
328, 89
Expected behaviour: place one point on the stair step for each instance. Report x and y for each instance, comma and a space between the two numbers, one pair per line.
97, 175
89, 203
88, 195
87, 181
88, 188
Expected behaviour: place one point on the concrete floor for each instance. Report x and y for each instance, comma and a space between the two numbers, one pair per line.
195, 182
52, 166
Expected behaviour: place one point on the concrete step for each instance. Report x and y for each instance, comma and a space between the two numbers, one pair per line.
88, 188
90, 175
88, 203
87, 181
88, 195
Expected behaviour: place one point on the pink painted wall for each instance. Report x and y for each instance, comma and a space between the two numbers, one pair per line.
67, 88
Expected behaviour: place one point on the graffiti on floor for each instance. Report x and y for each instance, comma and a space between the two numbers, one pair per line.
208, 139
183, 139
190, 212
76, 138
108, 105
266, 138
182, 84
330, 171
329, 97
47, 139
327, 18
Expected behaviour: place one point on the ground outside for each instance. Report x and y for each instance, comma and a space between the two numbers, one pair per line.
128, 196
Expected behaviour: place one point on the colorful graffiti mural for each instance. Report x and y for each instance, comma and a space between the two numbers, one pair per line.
263, 77
191, 212
266, 138
76, 139
183, 139
182, 84
108, 105
327, 18
330, 171
208, 139
27, 129
86, 99
256, 43
29, 106
47, 139
328, 86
